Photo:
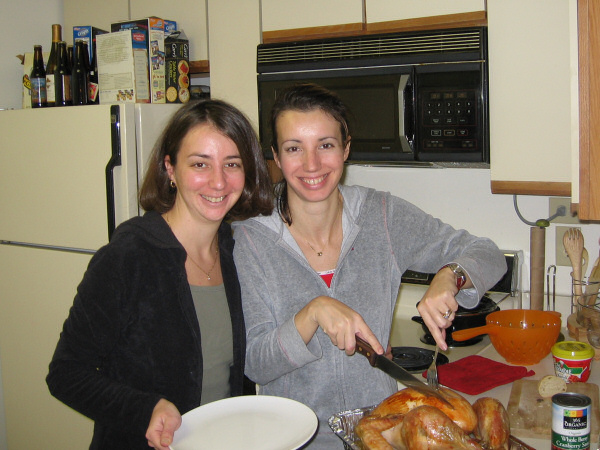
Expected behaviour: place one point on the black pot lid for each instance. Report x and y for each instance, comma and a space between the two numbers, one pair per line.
415, 359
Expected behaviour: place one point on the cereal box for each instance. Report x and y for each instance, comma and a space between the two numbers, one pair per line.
123, 67
177, 56
155, 47
88, 34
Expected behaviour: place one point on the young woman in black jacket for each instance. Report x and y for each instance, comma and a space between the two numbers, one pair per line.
156, 328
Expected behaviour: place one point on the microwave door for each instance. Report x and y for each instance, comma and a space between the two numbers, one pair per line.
405, 113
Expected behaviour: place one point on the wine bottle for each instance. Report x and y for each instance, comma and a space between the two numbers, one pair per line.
79, 76
51, 64
62, 77
70, 57
38, 79
93, 86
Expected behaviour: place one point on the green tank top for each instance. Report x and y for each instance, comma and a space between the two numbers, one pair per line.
216, 334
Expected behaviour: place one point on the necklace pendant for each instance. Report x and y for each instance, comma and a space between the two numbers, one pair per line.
319, 253
208, 277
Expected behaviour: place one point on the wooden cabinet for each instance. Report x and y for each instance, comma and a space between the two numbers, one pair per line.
589, 107
291, 20
532, 131
384, 15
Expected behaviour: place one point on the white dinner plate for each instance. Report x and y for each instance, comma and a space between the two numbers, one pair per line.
248, 422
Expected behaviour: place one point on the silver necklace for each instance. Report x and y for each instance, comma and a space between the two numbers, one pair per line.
192, 259
320, 253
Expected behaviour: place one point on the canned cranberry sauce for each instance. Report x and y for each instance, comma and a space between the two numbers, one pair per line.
571, 421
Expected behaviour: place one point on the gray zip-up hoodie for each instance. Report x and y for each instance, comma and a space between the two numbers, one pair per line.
383, 237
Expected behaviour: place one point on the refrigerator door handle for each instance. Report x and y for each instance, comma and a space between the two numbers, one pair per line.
84, 251
115, 160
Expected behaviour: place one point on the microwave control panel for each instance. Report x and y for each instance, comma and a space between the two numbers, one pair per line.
450, 120
450, 116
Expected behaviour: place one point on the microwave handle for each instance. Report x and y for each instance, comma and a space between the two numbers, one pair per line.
404, 105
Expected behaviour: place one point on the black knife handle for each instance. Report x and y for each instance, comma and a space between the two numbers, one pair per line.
365, 349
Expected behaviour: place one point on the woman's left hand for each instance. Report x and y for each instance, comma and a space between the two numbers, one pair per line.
165, 420
438, 305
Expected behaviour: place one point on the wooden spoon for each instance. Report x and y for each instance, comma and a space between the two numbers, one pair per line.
585, 259
591, 290
573, 242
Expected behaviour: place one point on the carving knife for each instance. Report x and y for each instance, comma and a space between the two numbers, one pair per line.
383, 363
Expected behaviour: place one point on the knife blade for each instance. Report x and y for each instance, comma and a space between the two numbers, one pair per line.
383, 363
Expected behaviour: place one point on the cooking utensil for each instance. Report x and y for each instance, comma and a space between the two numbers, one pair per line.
573, 242
521, 336
552, 269
432, 375
591, 289
395, 371
585, 259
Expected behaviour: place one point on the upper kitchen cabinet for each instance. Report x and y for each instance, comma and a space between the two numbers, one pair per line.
190, 16
286, 20
589, 106
533, 96
90, 12
390, 15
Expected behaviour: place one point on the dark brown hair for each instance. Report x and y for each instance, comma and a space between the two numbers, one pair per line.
156, 193
305, 97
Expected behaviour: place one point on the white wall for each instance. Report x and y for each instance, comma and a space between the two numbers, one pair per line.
462, 198
25, 23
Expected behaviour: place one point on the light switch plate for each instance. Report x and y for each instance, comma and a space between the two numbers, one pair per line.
554, 203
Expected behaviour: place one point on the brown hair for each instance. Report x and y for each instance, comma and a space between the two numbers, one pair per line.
156, 193
305, 97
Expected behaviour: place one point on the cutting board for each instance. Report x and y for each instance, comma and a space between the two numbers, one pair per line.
531, 415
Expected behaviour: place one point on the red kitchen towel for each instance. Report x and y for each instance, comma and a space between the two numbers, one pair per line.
475, 374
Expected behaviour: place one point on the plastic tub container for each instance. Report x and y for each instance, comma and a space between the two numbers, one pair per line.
572, 360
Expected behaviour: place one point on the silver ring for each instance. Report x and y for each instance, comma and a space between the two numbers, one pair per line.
448, 314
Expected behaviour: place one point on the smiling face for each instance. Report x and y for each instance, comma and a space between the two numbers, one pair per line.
311, 154
208, 174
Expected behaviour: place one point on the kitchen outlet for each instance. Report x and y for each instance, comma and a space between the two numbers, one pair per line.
562, 259
555, 203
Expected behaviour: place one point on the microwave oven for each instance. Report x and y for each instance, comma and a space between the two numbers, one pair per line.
419, 96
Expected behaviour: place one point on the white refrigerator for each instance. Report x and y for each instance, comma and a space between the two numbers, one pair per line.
68, 176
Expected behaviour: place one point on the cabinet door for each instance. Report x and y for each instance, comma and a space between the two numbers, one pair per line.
387, 10
90, 12
531, 89
310, 18
190, 16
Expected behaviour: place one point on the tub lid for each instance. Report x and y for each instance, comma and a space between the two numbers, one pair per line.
573, 350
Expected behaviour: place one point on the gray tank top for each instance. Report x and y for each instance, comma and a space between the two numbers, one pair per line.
217, 340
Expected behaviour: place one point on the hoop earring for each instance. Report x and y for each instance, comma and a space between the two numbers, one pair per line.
172, 184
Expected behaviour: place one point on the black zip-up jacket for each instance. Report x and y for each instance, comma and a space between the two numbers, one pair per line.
132, 335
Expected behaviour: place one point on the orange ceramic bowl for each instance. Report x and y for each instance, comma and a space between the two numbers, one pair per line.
521, 336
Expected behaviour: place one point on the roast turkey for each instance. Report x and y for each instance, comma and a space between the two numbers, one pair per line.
411, 420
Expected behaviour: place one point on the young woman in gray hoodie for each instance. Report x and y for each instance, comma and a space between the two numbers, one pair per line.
327, 265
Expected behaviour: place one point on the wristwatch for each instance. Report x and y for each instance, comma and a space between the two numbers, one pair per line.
461, 277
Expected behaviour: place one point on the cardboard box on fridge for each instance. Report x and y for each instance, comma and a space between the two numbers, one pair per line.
88, 34
177, 56
155, 47
123, 67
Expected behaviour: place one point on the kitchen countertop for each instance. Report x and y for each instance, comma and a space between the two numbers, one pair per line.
405, 335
